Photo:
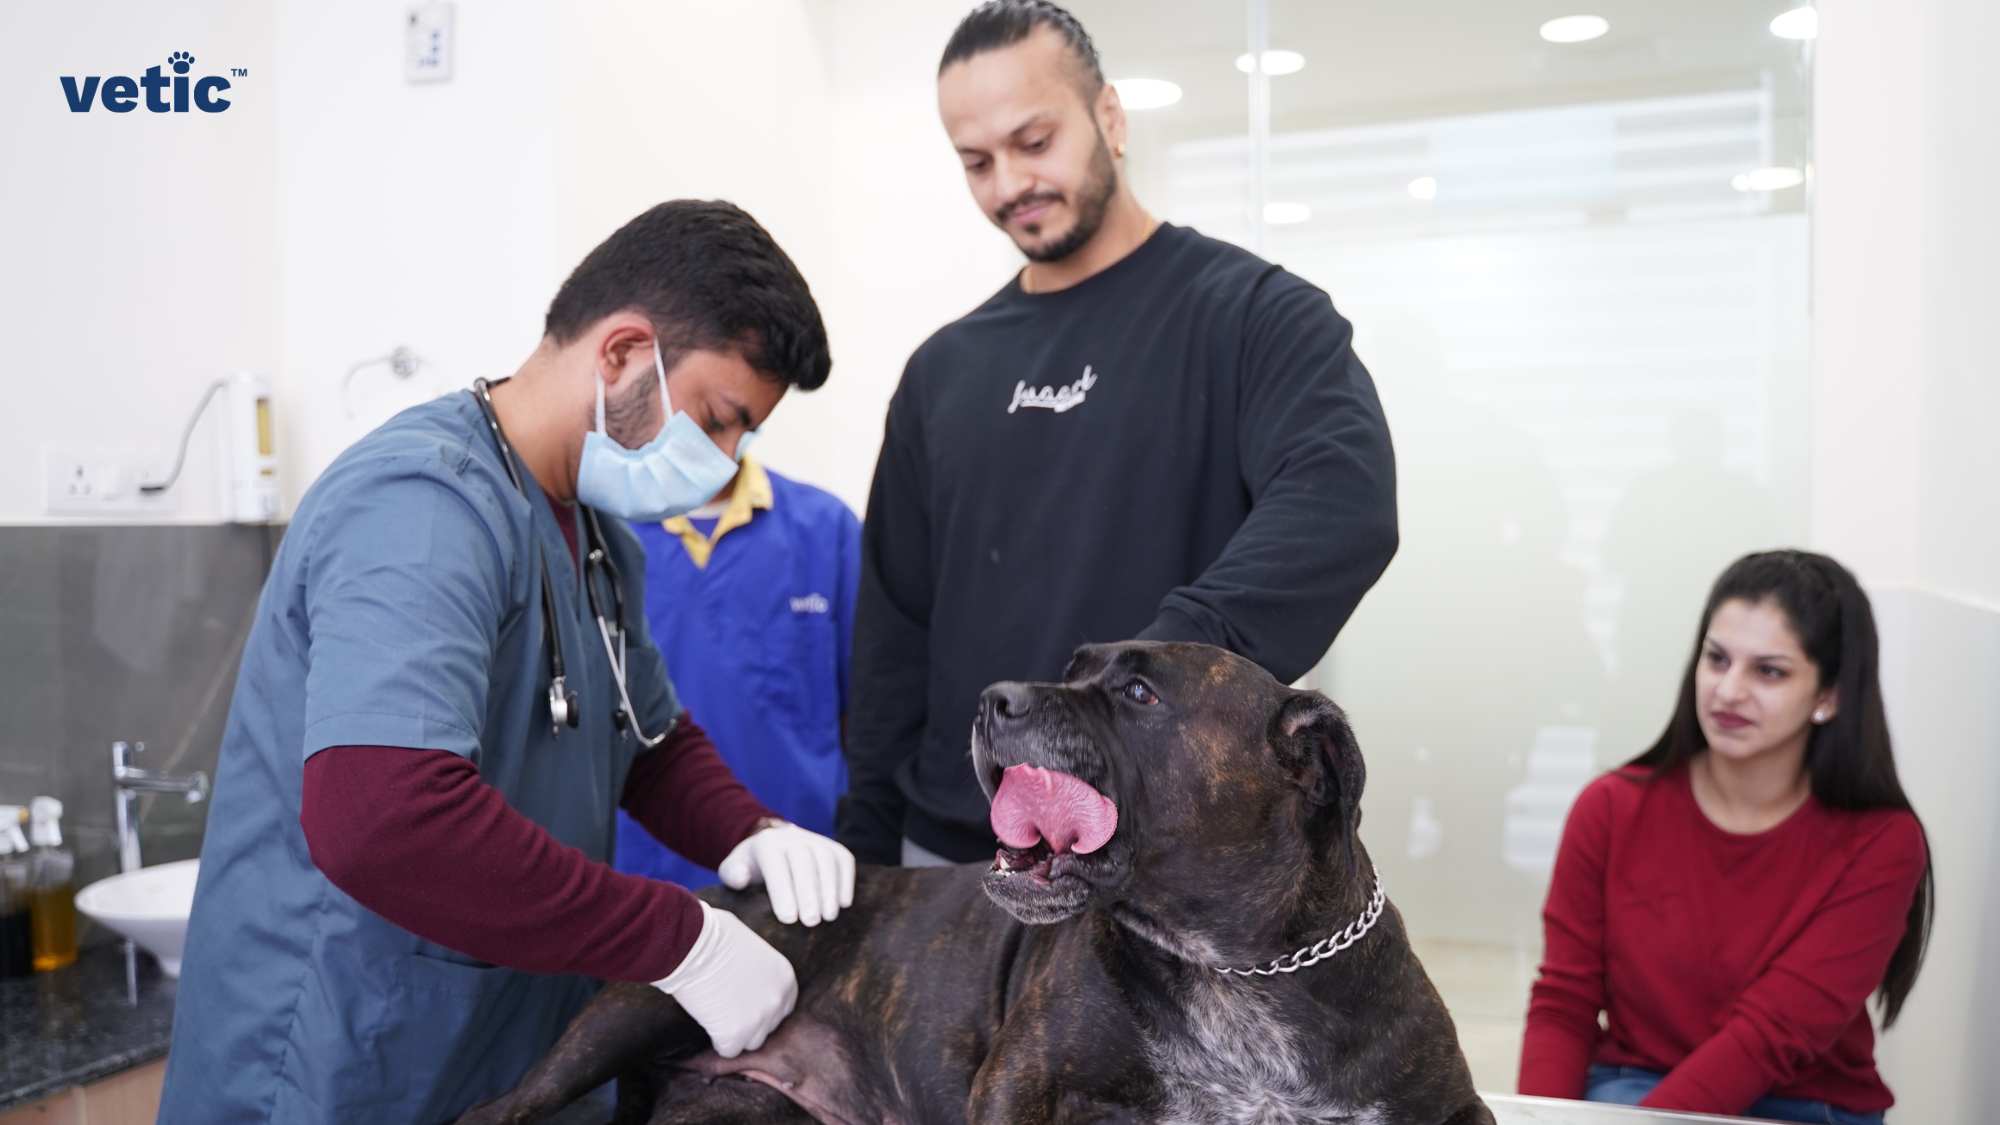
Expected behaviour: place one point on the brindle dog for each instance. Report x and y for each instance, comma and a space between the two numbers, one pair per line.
1093, 994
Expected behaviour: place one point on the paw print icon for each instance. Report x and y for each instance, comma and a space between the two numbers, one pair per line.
180, 61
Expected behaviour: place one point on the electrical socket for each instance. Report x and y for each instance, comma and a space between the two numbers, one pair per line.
428, 42
83, 481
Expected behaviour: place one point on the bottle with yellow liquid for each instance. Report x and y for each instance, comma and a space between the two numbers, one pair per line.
51, 887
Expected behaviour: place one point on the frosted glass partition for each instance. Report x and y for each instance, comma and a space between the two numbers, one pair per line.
1588, 427
1592, 415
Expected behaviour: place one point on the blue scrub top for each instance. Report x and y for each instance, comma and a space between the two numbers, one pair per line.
402, 609
760, 639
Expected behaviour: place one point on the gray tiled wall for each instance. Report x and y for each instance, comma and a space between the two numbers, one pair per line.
113, 633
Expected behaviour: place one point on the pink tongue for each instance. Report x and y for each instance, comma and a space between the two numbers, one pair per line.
1036, 804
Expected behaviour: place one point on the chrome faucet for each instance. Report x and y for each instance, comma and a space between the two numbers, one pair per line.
129, 781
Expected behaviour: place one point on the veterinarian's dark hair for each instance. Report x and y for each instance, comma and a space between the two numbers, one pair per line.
1849, 758
710, 279
1003, 23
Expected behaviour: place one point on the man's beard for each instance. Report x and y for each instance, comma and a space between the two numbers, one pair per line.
626, 413
1092, 202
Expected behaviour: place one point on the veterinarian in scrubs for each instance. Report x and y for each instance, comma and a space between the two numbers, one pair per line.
448, 690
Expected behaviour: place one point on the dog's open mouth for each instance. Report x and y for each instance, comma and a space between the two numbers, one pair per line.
1045, 819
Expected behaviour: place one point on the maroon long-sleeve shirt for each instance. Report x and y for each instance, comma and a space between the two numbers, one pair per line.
1739, 965
416, 836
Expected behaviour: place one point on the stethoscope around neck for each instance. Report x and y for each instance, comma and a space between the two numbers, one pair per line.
563, 709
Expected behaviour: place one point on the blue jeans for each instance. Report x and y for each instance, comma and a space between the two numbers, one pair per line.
1627, 1085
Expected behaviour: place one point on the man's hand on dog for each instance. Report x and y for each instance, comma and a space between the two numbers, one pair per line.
809, 877
733, 983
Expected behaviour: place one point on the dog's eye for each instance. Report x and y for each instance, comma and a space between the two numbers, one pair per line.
1139, 693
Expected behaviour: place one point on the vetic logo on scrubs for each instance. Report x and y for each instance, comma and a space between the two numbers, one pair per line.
811, 603
164, 93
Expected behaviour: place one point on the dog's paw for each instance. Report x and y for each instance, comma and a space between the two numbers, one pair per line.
180, 61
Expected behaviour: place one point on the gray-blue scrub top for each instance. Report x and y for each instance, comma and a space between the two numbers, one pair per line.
402, 609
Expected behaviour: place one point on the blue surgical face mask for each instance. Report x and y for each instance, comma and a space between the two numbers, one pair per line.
675, 473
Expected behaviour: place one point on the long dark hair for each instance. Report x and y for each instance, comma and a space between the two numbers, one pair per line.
1849, 758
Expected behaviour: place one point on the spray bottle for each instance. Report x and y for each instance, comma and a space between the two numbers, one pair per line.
51, 887
17, 956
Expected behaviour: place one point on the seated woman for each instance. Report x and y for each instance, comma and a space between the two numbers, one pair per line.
1731, 897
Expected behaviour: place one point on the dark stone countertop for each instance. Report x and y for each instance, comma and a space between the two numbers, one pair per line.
91, 1020
82, 1023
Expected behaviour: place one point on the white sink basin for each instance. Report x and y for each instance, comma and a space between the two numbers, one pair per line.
150, 906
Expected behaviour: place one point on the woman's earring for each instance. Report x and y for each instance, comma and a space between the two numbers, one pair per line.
1819, 716
1119, 152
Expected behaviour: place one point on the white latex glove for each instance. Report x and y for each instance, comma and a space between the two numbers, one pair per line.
809, 877
733, 983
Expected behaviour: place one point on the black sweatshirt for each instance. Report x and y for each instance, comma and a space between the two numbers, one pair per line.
1181, 447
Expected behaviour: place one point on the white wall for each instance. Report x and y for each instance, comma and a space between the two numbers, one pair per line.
1906, 472
336, 211
421, 215
1905, 279
137, 250
1940, 659
445, 217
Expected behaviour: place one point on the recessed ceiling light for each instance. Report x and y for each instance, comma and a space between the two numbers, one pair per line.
1767, 179
1275, 62
1799, 23
1281, 214
1147, 93
1424, 187
1575, 29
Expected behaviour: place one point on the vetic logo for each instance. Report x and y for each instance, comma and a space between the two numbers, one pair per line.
164, 93
1058, 399
811, 603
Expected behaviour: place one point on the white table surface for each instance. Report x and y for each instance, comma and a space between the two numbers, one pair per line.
1512, 1109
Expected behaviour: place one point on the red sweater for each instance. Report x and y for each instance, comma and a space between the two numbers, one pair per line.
1739, 965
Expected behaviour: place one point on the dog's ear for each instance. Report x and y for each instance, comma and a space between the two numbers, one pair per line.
1315, 744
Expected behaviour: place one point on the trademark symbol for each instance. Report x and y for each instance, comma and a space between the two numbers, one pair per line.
238, 72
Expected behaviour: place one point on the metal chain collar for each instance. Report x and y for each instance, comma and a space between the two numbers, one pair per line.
1321, 950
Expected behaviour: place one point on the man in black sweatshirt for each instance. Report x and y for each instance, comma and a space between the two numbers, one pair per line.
1146, 433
